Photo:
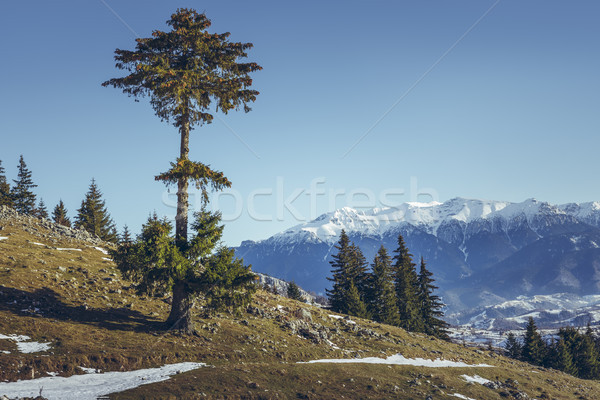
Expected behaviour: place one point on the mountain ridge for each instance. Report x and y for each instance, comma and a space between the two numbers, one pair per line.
463, 241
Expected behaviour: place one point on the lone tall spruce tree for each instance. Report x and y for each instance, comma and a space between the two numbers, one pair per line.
184, 71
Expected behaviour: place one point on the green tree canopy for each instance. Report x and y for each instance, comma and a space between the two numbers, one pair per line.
22, 196
513, 346
184, 71
5, 197
59, 215
431, 305
94, 217
348, 270
41, 211
158, 266
407, 288
534, 349
381, 299
293, 292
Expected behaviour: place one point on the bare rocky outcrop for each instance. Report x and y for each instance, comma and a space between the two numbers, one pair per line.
45, 228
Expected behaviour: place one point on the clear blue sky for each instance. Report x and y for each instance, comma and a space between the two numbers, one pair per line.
510, 112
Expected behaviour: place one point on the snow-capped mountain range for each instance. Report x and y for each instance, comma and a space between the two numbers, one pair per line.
482, 252
431, 216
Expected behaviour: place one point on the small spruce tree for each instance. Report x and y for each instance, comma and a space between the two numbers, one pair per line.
293, 292
534, 348
431, 305
22, 196
93, 216
125, 237
407, 288
41, 211
513, 346
198, 273
354, 303
381, 300
59, 215
5, 196
348, 269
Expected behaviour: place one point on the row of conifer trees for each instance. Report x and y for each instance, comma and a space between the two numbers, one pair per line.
91, 216
392, 292
571, 351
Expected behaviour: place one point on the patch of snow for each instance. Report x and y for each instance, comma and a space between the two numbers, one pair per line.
398, 359
24, 346
33, 347
475, 379
92, 386
89, 370
3, 237
462, 396
15, 338
100, 249
335, 316
38, 244
106, 259
5, 351
67, 249
333, 346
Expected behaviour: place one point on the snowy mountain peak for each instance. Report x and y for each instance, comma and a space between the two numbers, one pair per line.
429, 217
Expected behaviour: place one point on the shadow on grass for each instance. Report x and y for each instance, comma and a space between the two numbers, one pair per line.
46, 303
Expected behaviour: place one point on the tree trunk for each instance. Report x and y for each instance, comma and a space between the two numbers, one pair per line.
180, 317
181, 220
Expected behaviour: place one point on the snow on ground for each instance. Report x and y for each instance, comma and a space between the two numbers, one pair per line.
33, 347
100, 249
347, 319
475, 379
3, 237
67, 249
38, 244
398, 359
462, 396
26, 346
92, 386
107, 259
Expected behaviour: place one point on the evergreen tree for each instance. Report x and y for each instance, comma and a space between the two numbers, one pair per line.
533, 346
22, 196
407, 288
156, 264
559, 357
184, 71
5, 196
431, 305
586, 356
381, 299
513, 347
339, 264
125, 237
93, 216
293, 292
41, 211
354, 302
348, 269
59, 215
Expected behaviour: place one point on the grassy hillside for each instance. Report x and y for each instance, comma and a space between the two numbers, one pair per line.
63, 291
